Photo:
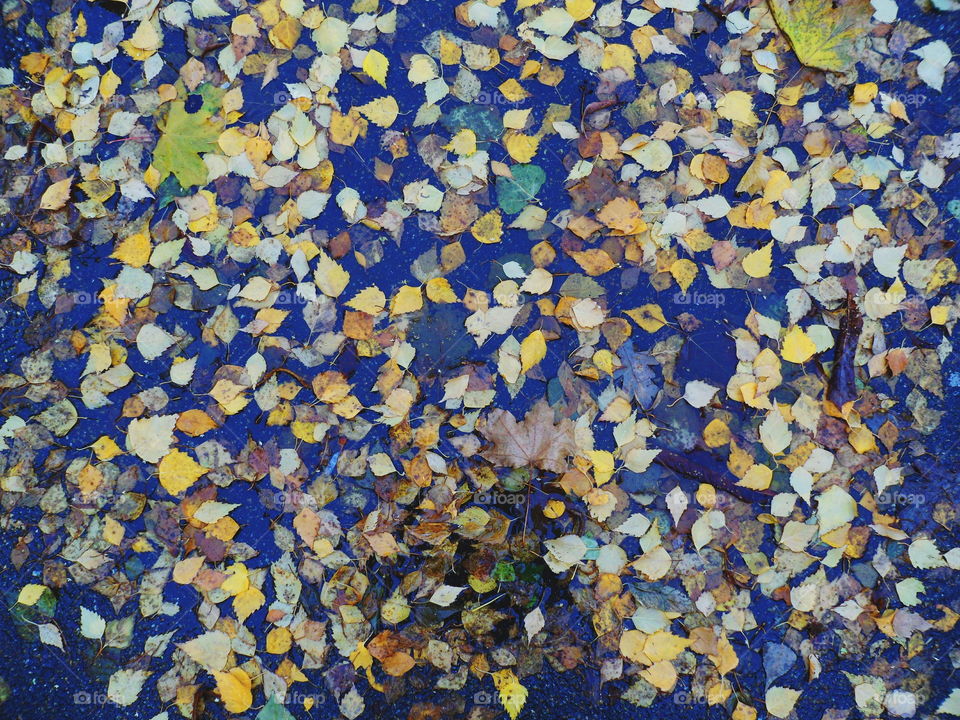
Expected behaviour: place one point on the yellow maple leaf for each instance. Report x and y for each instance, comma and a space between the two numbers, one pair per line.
513, 695
759, 263
821, 35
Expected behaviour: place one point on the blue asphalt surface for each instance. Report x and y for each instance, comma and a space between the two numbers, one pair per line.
46, 684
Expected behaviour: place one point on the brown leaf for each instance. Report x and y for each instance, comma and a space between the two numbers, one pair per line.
537, 441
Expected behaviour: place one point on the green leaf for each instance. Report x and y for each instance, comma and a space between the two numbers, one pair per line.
514, 193
821, 35
185, 136
274, 711
483, 120
504, 572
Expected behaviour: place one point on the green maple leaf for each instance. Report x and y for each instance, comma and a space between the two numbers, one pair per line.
822, 36
184, 136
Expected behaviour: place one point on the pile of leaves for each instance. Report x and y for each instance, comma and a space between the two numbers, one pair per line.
416, 283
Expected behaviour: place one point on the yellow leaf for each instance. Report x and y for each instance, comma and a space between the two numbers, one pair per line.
663, 645
758, 477
580, 9
864, 92
248, 602
178, 471
862, 440
361, 657
112, 531
532, 350
109, 84
463, 143
631, 646
330, 277
382, 111
395, 609
489, 228
375, 64
408, 299
821, 35
29, 594
513, 695
105, 448
284, 34
186, 570
759, 263
594, 261
279, 641
450, 52
737, 105
370, 300
439, 291
237, 581
797, 346
134, 250
780, 701
716, 433
56, 196
649, 317
662, 675
602, 461
522, 148
790, 95
234, 687
939, 314
683, 271
513, 90
554, 508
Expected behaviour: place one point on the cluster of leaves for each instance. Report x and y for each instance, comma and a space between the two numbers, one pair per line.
664, 506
